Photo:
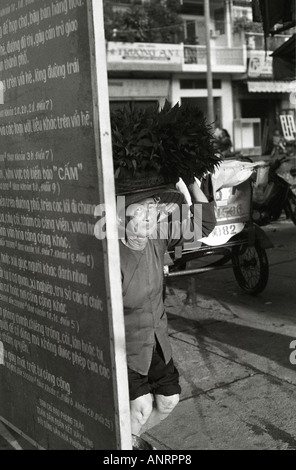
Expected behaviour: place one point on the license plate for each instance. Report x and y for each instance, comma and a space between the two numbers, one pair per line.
226, 230
222, 234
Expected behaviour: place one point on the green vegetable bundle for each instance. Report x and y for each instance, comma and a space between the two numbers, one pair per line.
172, 143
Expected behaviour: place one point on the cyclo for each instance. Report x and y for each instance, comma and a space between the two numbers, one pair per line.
236, 242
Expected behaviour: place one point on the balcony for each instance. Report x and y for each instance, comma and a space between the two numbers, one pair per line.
255, 41
152, 57
223, 59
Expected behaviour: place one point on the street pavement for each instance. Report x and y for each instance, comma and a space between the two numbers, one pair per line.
232, 351
233, 354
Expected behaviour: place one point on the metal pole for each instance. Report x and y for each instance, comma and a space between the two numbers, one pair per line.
191, 272
228, 7
211, 114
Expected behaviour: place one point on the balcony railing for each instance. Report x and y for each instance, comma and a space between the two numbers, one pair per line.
220, 56
173, 57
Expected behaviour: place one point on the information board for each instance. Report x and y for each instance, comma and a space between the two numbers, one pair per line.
61, 321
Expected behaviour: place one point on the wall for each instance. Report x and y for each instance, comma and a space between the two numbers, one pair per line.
225, 93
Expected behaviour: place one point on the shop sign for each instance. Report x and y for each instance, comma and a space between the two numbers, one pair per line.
145, 53
260, 65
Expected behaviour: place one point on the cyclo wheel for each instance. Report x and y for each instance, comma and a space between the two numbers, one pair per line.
251, 268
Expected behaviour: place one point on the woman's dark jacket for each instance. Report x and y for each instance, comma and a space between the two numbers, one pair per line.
142, 283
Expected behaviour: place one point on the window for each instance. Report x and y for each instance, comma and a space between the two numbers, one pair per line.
114, 105
194, 30
190, 31
190, 84
243, 12
192, 7
127, 2
220, 20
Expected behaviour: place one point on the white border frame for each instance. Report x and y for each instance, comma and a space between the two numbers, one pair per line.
112, 258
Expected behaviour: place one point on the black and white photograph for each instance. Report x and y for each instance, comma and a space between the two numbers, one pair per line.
147, 228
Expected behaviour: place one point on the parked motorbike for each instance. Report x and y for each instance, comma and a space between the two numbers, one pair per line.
272, 195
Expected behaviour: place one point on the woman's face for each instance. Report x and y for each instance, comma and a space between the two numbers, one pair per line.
142, 218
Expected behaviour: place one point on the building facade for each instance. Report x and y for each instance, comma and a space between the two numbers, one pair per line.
246, 99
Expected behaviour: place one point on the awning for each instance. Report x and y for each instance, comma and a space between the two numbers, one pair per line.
271, 87
284, 60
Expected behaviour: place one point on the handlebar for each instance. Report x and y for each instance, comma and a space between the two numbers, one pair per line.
274, 164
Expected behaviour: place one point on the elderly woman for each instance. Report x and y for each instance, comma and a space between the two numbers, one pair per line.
153, 378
